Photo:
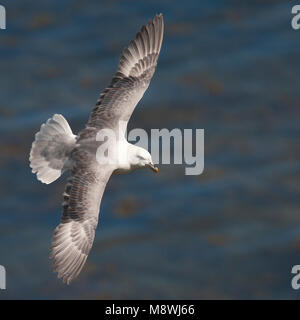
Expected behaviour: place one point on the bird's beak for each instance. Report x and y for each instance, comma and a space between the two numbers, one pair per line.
151, 166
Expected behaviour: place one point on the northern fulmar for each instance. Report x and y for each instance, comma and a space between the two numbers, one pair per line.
56, 149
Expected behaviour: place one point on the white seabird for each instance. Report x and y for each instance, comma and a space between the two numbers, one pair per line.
56, 149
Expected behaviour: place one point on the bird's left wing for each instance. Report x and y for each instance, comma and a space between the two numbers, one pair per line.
74, 236
136, 68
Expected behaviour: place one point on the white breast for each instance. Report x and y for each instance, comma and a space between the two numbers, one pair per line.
123, 157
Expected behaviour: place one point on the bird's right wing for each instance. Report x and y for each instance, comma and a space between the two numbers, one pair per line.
74, 236
136, 68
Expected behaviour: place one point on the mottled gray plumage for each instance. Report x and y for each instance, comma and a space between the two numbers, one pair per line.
136, 68
74, 236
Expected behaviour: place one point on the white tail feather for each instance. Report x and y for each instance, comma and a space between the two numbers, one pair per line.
51, 148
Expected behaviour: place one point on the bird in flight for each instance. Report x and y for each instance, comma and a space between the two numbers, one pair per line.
56, 149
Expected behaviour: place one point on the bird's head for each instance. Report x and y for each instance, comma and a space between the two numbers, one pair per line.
142, 159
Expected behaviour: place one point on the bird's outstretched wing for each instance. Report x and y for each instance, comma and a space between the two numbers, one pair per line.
136, 68
74, 236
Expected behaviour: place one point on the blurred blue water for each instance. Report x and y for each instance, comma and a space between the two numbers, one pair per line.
229, 67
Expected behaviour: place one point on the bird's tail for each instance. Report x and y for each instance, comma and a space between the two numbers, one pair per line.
51, 149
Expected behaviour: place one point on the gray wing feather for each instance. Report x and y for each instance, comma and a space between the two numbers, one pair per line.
136, 68
74, 236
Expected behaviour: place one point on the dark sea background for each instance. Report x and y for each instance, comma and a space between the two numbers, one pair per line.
228, 67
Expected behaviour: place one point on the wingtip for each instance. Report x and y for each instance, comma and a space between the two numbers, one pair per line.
160, 16
159, 19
